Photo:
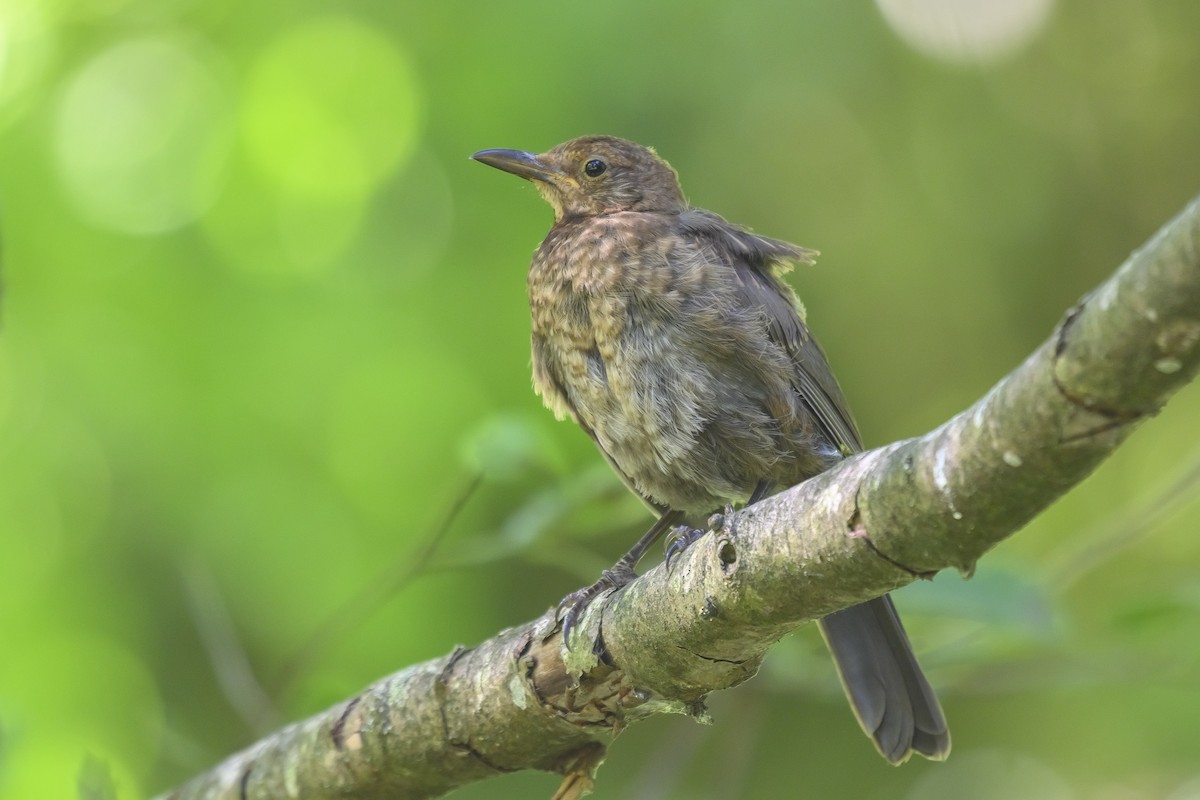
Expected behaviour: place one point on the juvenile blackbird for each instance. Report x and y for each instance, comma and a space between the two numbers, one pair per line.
669, 336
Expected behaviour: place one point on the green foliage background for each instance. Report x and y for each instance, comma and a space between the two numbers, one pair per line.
263, 320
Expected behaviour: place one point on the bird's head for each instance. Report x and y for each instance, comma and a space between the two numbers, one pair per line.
595, 175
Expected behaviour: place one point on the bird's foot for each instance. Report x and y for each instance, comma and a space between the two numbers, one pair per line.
679, 539
573, 605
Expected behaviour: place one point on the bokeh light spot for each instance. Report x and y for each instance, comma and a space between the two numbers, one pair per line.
143, 135
329, 112
966, 30
330, 109
25, 49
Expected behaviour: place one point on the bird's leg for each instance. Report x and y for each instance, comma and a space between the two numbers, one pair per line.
616, 576
760, 491
682, 537
679, 539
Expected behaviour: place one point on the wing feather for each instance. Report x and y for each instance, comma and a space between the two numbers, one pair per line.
758, 263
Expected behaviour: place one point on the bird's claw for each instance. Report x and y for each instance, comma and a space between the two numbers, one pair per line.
571, 607
679, 539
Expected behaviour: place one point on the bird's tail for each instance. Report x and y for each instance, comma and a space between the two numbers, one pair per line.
891, 698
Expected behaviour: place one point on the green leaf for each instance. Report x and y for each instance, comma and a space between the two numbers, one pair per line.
508, 447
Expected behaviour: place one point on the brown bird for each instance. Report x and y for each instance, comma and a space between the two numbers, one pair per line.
668, 334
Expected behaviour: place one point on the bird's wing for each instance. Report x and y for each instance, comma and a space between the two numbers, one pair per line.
757, 263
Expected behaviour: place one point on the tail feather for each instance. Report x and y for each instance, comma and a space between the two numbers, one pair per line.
890, 696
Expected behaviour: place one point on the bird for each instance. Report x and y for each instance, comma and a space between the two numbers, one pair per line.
671, 338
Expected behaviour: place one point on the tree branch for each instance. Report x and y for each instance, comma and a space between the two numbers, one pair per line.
870, 525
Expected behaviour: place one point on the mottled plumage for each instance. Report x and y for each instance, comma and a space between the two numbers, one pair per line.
650, 330
669, 336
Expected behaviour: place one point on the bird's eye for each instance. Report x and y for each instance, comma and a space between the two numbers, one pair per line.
594, 168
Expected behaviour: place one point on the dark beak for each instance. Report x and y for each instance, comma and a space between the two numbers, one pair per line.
517, 162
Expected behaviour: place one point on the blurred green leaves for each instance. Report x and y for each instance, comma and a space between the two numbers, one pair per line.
508, 447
